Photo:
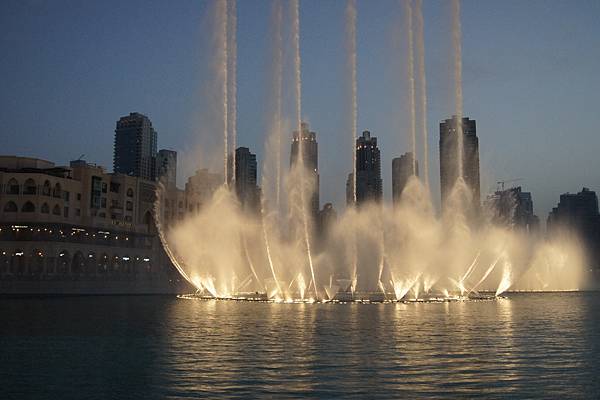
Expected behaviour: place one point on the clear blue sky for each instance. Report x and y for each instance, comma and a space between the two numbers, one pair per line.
69, 69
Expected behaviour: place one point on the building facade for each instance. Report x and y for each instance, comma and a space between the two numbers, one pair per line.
578, 214
307, 140
78, 229
369, 187
512, 208
402, 170
246, 187
135, 147
166, 164
449, 166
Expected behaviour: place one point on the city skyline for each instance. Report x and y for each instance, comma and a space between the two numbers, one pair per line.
518, 137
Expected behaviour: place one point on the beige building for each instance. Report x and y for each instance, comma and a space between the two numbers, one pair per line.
78, 229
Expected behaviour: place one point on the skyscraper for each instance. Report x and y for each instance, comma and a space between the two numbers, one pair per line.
310, 158
166, 163
402, 170
449, 167
368, 171
578, 213
135, 147
245, 179
513, 208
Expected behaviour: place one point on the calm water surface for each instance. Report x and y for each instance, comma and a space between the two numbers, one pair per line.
525, 346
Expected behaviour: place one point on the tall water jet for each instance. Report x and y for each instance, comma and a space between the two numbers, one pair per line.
411, 84
422, 83
232, 80
278, 90
458, 96
351, 62
222, 15
295, 4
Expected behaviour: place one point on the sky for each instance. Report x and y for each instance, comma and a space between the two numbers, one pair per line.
70, 69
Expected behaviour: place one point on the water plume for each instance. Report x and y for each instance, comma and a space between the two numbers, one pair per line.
231, 48
411, 83
375, 251
422, 84
351, 62
458, 95
295, 6
222, 17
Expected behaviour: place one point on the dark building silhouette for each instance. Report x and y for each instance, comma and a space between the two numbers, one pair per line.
135, 147
449, 167
368, 172
245, 179
513, 208
402, 170
327, 218
578, 213
310, 159
166, 164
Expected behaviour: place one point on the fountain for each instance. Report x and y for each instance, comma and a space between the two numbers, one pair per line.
374, 253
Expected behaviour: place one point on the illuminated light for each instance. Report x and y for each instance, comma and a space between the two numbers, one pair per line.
61, 255
146, 259
91, 256
116, 237
125, 258
19, 254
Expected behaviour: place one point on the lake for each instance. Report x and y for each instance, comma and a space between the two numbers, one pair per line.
544, 345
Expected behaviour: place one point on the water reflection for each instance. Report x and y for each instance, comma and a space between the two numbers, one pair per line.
534, 345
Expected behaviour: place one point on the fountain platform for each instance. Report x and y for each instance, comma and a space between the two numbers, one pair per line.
357, 297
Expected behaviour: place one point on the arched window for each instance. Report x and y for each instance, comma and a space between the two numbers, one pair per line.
28, 207
11, 206
37, 262
56, 210
46, 188
17, 262
57, 192
103, 263
63, 262
45, 208
29, 187
130, 192
78, 263
12, 187
129, 205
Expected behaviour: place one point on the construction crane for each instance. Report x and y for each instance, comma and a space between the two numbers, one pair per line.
501, 183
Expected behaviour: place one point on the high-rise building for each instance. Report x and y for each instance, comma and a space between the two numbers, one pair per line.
327, 218
200, 187
135, 147
166, 163
449, 166
245, 179
578, 213
402, 170
310, 159
513, 208
368, 171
